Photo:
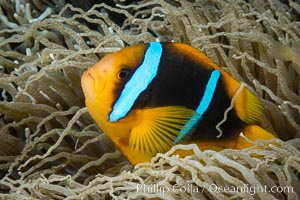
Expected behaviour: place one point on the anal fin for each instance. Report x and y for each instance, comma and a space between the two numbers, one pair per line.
252, 132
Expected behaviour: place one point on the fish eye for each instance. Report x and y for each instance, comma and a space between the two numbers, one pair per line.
124, 73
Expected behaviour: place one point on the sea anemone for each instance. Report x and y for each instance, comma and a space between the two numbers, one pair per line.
50, 148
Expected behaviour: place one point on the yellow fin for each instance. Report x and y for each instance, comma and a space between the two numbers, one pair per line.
248, 107
252, 132
158, 129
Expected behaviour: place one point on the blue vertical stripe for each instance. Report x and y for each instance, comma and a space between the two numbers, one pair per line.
203, 106
138, 83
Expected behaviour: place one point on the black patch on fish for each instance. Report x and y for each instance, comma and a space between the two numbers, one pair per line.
181, 81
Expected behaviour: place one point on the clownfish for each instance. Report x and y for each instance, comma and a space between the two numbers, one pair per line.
150, 97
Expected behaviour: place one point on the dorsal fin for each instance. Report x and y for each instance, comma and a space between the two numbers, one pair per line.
248, 107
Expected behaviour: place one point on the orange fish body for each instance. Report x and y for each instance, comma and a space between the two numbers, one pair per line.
149, 97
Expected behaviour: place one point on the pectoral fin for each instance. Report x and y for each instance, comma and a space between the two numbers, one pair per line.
158, 129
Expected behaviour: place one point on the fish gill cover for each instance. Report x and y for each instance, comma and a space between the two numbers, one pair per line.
50, 148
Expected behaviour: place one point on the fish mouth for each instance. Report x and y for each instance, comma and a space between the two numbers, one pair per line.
88, 81
91, 83
90, 75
